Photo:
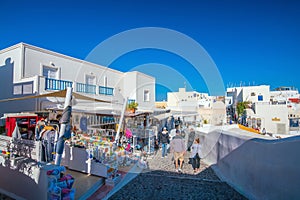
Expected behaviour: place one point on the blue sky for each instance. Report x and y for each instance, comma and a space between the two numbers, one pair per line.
251, 42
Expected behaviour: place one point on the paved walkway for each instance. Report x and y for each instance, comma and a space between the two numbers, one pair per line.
161, 181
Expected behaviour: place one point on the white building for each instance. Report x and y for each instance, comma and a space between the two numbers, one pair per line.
249, 93
208, 109
186, 101
29, 70
263, 113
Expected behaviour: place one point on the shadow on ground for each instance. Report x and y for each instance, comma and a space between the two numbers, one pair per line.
160, 184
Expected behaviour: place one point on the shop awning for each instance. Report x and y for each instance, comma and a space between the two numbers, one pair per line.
162, 116
61, 93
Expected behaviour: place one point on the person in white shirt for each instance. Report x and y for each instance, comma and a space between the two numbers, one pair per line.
195, 155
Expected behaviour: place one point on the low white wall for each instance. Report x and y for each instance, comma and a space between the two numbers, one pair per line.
257, 168
18, 185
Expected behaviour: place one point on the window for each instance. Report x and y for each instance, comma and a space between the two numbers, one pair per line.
252, 94
260, 97
50, 72
17, 89
27, 88
146, 95
130, 101
90, 80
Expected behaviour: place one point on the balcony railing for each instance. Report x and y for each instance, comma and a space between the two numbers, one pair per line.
53, 84
85, 88
106, 90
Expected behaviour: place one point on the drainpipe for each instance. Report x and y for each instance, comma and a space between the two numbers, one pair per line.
22, 60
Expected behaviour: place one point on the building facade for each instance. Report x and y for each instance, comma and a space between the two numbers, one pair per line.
276, 111
29, 70
208, 109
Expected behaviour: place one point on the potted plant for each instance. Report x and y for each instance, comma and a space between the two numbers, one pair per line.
132, 106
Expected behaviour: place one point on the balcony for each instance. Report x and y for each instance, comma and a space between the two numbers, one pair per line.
85, 88
106, 90
53, 84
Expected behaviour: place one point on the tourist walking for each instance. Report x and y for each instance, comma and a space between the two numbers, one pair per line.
191, 138
164, 140
178, 123
195, 155
156, 146
39, 127
177, 147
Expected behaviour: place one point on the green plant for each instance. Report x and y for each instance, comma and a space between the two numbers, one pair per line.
132, 105
241, 106
205, 121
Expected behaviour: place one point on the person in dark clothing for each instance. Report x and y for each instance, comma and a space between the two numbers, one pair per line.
164, 140
156, 146
190, 139
178, 123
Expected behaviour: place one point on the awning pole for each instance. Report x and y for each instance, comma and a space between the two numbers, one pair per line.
63, 125
121, 120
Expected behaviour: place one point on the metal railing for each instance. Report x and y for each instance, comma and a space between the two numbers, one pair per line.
85, 88
54, 84
106, 90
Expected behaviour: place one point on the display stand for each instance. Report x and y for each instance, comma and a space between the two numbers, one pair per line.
76, 159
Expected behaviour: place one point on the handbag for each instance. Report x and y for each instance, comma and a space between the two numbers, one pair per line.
197, 155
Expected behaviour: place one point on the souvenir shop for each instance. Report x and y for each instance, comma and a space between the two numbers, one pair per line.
92, 148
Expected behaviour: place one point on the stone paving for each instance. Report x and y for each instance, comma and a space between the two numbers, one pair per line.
161, 181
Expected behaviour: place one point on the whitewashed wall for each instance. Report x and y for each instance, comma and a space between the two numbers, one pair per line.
71, 69
263, 90
130, 80
10, 68
145, 82
267, 112
258, 168
26, 65
10, 75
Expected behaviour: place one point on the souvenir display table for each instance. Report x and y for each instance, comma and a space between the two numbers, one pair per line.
95, 155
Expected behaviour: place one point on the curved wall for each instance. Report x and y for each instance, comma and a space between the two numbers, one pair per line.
259, 168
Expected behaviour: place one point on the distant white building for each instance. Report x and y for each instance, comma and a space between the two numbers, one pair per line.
268, 109
28, 70
207, 109
186, 100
